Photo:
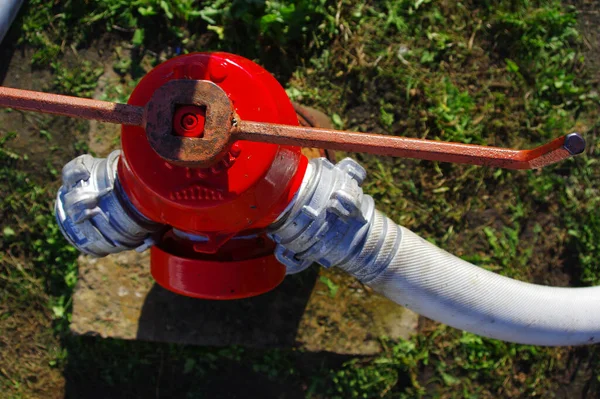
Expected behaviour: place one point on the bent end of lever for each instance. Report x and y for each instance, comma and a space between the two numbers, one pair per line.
557, 150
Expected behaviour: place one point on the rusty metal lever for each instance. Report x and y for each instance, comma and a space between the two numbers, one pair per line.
75, 107
552, 152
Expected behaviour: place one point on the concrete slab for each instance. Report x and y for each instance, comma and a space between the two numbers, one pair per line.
318, 310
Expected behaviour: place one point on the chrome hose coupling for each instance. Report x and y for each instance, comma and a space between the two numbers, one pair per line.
94, 213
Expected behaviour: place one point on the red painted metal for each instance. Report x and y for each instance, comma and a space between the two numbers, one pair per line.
239, 195
189, 121
239, 270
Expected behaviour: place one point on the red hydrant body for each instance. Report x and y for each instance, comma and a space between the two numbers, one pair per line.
216, 245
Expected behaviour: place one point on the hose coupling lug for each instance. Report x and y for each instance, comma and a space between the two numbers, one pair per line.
346, 205
355, 170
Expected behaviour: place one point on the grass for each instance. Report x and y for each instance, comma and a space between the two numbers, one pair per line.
508, 73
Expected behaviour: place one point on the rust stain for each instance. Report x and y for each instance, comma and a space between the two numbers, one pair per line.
403, 147
193, 152
222, 128
74, 107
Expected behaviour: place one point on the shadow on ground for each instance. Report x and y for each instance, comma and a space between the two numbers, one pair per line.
268, 320
235, 365
108, 368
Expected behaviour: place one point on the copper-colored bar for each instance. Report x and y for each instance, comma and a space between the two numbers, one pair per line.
71, 106
406, 147
555, 151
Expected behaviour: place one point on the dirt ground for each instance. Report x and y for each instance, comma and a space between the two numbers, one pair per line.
57, 365
589, 18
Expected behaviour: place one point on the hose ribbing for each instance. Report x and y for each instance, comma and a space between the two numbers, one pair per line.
334, 224
438, 285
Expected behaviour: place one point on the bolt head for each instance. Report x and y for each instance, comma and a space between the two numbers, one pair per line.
574, 143
188, 121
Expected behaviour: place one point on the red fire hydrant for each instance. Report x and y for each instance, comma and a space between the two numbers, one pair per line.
207, 166
197, 182
216, 245
208, 224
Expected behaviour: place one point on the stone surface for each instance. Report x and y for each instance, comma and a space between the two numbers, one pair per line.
318, 310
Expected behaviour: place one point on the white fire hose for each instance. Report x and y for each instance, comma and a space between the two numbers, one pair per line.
436, 284
334, 224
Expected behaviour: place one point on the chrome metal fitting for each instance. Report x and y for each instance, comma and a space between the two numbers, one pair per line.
93, 212
329, 218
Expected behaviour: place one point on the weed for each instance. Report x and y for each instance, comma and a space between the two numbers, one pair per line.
79, 81
509, 74
272, 30
506, 73
453, 114
331, 286
363, 379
